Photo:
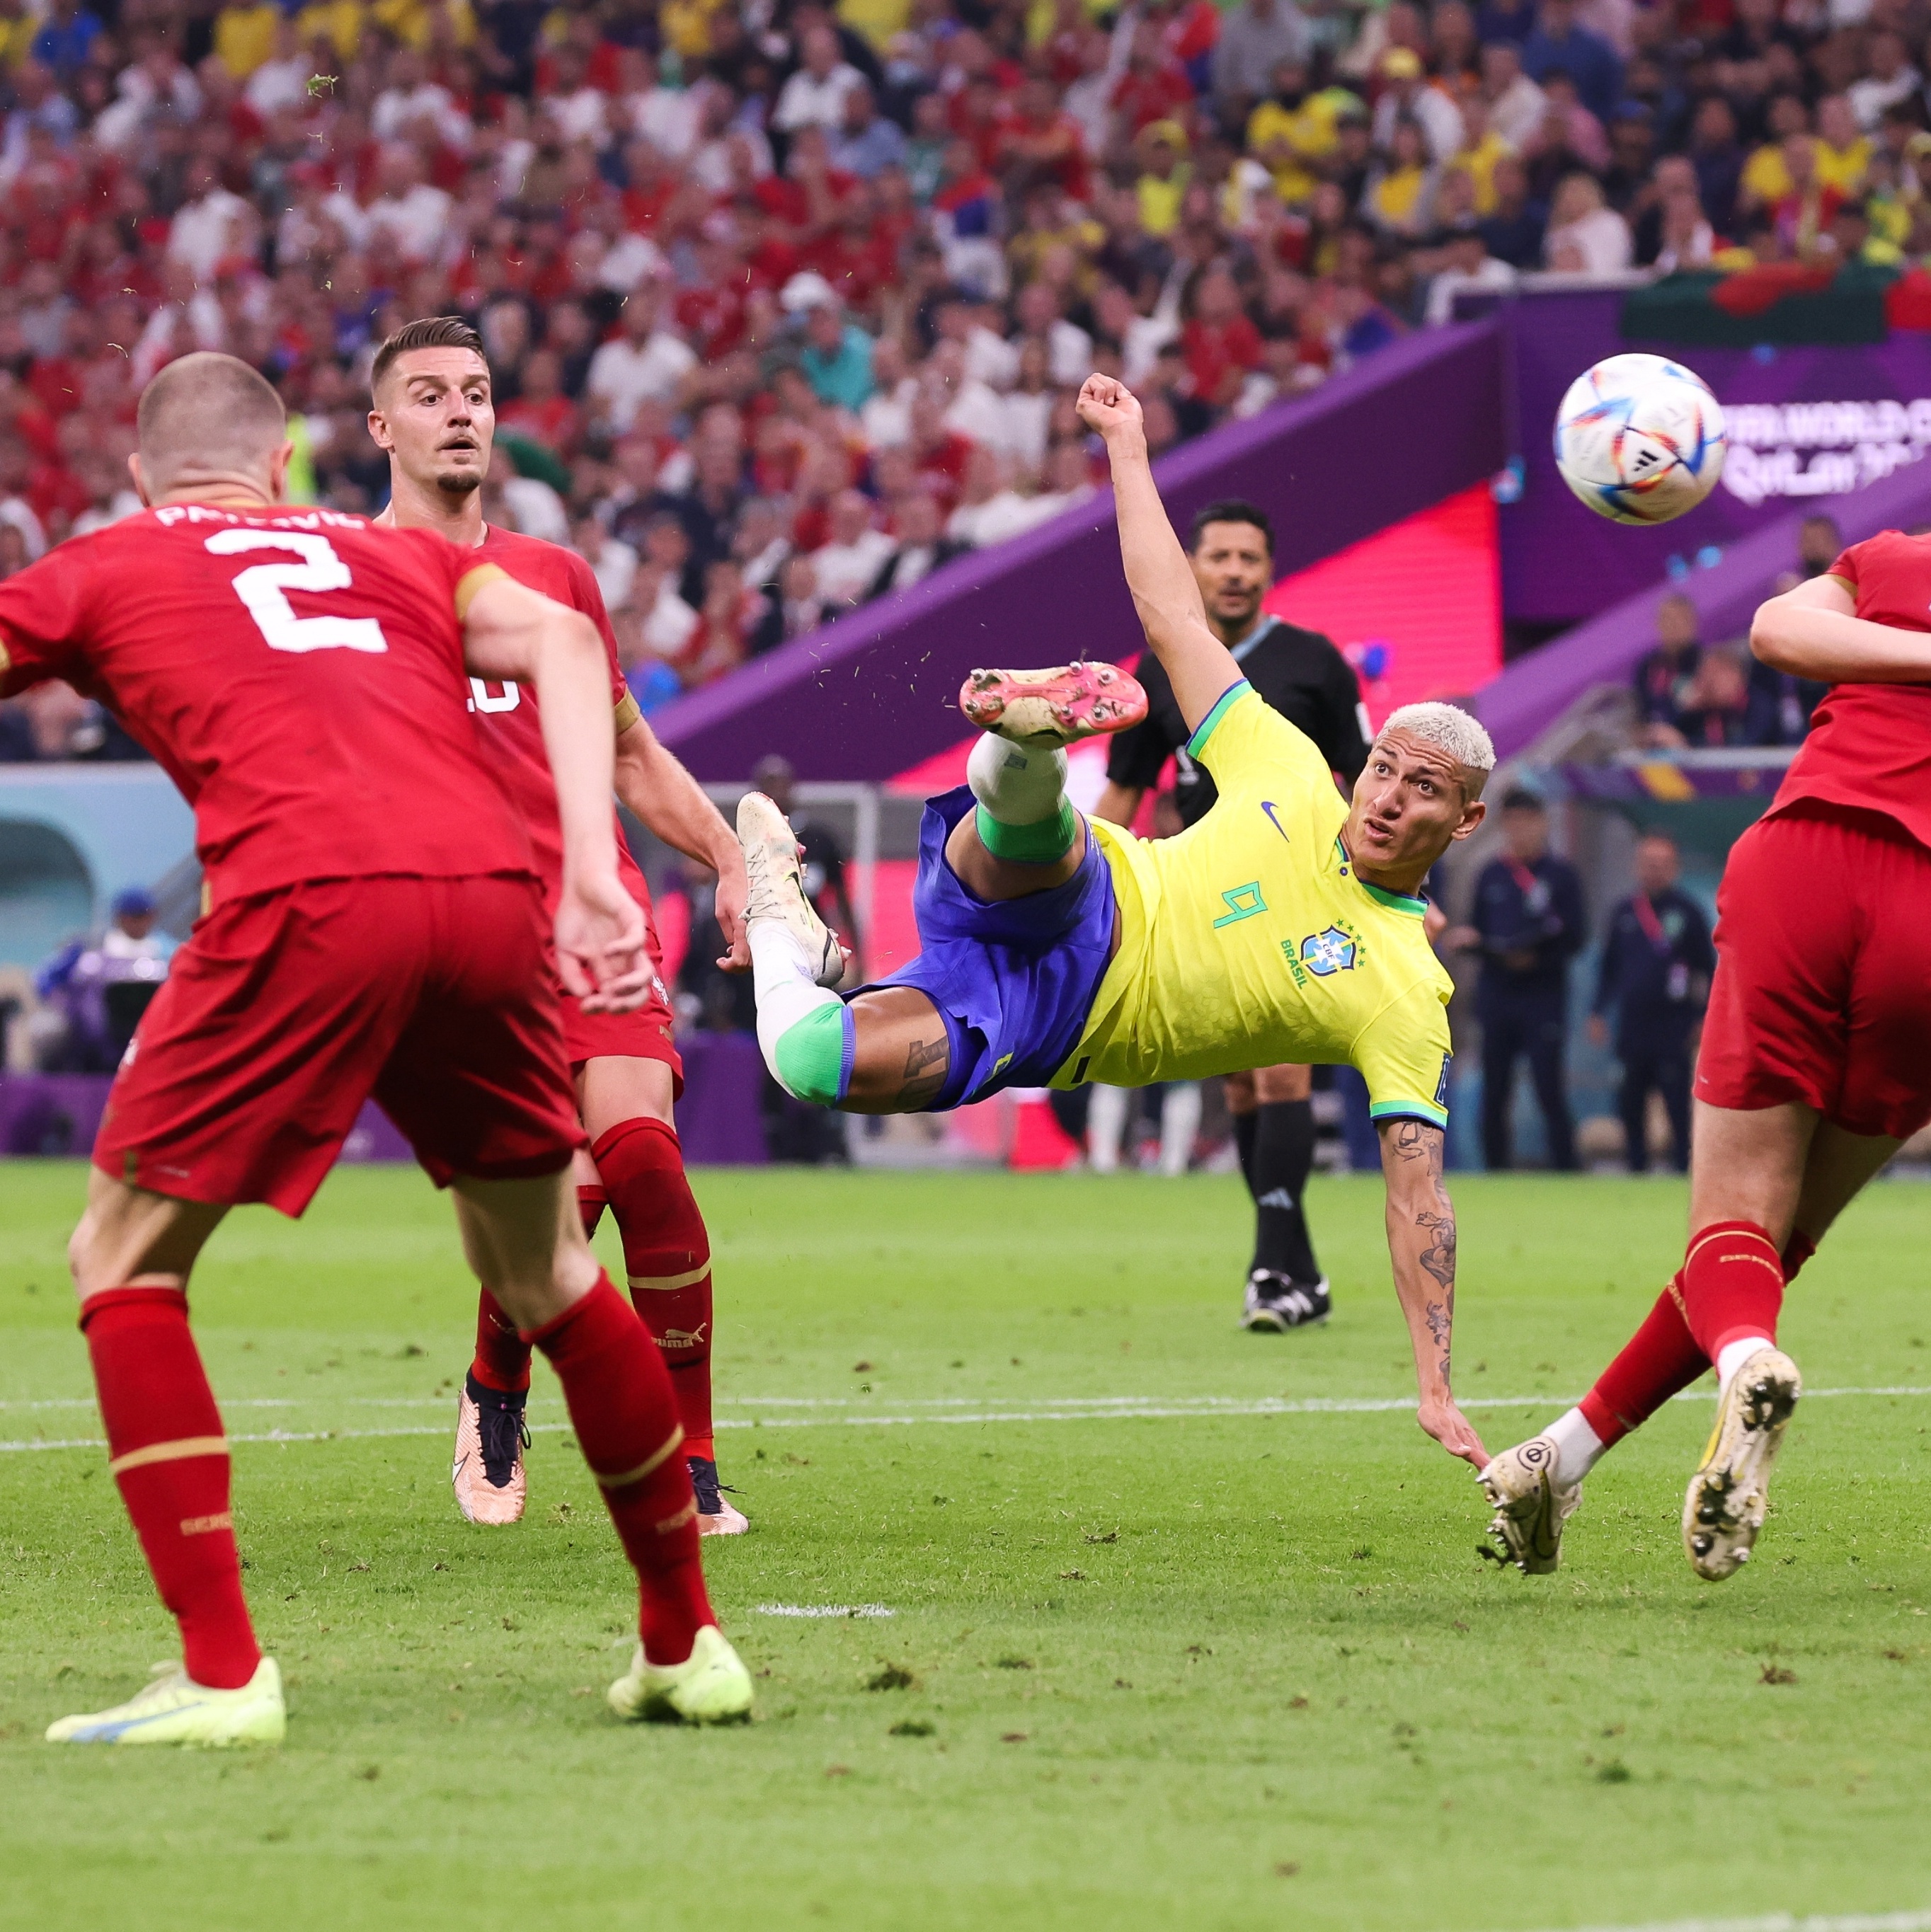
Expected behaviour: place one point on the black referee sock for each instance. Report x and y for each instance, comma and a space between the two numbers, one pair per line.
1283, 1154
1245, 1127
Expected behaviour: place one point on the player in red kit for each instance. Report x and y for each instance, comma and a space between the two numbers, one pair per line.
1815, 1063
374, 925
432, 414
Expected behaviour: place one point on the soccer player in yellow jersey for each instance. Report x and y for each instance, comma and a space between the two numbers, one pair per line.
1284, 927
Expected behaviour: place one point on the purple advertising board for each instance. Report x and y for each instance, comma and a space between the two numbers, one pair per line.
1806, 424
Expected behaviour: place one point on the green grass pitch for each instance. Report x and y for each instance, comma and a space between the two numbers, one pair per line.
1228, 1667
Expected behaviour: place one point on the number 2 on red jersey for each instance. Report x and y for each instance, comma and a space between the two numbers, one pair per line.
264, 589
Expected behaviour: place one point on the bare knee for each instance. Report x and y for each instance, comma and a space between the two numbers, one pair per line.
129, 1237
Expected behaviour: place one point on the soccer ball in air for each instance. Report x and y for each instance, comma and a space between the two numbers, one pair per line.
1640, 439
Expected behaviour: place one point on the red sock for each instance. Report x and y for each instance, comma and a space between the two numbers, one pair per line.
503, 1357
1660, 1358
1732, 1285
168, 1453
619, 1397
590, 1205
666, 1255
1796, 1251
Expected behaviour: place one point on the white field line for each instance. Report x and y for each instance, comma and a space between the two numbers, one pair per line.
1785, 1921
1074, 1408
825, 1610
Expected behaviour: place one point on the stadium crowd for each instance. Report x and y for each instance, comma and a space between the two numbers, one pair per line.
785, 307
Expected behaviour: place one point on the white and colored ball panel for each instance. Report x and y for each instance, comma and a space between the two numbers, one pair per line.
1640, 439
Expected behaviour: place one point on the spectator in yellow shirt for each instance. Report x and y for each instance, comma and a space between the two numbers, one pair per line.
1165, 175
1843, 149
340, 20
1766, 180
1482, 150
416, 23
245, 37
1292, 133
18, 26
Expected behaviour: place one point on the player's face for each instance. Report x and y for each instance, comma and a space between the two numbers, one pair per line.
1233, 567
1410, 805
437, 420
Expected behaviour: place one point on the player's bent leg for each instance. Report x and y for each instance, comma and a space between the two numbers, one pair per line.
902, 1053
527, 1234
627, 1102
131, 1256
1839, 1166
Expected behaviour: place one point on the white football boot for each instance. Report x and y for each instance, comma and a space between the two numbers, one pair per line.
1530, 1506
777, 882
1730, 1493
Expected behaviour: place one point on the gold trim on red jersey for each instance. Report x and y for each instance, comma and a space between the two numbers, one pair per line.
471, 581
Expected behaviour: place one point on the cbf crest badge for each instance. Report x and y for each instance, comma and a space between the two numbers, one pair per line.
1329, 952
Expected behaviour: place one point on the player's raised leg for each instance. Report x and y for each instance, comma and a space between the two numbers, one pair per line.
526, 1236
889, 1049
131, 1256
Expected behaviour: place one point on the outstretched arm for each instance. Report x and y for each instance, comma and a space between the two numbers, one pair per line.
1811, 631
1199, 667
1421, 1244
512, 631
673, 805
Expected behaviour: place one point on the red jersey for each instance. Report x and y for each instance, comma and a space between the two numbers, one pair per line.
298, 674
507, 714
1870, 746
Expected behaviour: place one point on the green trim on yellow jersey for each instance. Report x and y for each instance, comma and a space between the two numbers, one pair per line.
1395, 902
1409, 1110
1210, 723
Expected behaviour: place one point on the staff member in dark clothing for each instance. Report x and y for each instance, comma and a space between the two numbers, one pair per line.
1303, 676
1528, 925
1656, 963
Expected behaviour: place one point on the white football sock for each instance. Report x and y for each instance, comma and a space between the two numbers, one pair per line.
781, 976
1106, 1126
1733, 1355
1179, 1123
1578, 1448
1017, 786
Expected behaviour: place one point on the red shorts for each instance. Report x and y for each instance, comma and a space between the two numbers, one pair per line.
286, 1010
1823, 946
644, 1034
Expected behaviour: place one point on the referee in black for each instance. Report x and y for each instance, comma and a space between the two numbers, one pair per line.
1303, 676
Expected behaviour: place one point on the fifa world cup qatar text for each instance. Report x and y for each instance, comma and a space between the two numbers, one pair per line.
1815, 1063
375, 926
432, 413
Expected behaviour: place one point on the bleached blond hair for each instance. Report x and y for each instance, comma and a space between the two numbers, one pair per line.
1452, 728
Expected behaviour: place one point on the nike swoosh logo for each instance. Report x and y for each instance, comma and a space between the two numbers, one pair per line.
1267, 806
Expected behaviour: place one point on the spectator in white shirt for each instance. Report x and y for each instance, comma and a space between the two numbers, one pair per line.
1069, 348
612, 561
814, 96
648, 362
411, 96
1516, 105
845, 566
886, 414
1468, 268
1410, 94
1891, 79
412, 212
282, 79
671, 118
1586, 236
210, 224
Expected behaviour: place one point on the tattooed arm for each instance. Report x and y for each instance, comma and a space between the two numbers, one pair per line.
1421, 1244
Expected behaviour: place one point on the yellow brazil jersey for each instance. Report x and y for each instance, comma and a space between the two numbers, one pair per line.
1248, 940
